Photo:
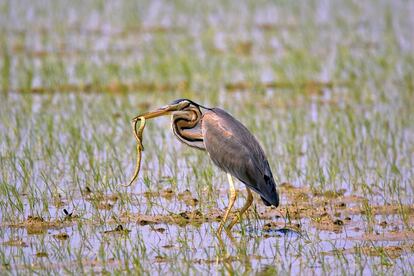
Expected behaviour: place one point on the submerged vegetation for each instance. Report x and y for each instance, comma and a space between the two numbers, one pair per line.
327, 87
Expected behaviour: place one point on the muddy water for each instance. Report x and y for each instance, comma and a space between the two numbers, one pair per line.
168, 223
317, 229
167, 220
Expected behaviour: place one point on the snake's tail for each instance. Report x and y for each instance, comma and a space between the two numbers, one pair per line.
136, 170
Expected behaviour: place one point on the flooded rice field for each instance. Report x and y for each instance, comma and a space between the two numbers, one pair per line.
326, 87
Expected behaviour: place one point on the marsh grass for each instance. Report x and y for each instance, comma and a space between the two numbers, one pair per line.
326, 87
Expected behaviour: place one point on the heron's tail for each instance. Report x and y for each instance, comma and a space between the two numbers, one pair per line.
271, 197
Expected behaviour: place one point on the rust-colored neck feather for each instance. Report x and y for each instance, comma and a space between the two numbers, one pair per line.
186, 126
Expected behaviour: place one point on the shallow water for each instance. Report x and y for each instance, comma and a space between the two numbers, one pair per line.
326, 88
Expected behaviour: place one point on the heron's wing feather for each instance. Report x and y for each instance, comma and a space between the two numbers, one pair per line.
235, 150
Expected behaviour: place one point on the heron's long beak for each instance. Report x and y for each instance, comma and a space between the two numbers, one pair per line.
165, 110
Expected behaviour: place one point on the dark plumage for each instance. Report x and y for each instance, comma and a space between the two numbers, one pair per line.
235, 150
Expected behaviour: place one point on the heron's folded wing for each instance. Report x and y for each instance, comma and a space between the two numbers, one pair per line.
234, 150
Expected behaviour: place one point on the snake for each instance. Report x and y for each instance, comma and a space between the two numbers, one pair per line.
138, 137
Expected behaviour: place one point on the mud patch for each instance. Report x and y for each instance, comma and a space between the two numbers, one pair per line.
41, 254
119, 230
326, 222
387, 236
281, 229
188, 198
15, 242
392, 252
38, 225
195, 217
61, 236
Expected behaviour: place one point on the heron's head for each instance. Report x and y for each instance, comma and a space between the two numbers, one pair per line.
180, 105
175, 107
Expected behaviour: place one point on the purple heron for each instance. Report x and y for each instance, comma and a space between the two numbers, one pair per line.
230, 146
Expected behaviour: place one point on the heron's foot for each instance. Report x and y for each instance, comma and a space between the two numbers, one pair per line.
239, 213
228, 227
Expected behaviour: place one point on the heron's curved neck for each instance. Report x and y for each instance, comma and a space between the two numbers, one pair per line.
186, 126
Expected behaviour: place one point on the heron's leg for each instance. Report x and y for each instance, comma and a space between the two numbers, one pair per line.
242, 210
232, 199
